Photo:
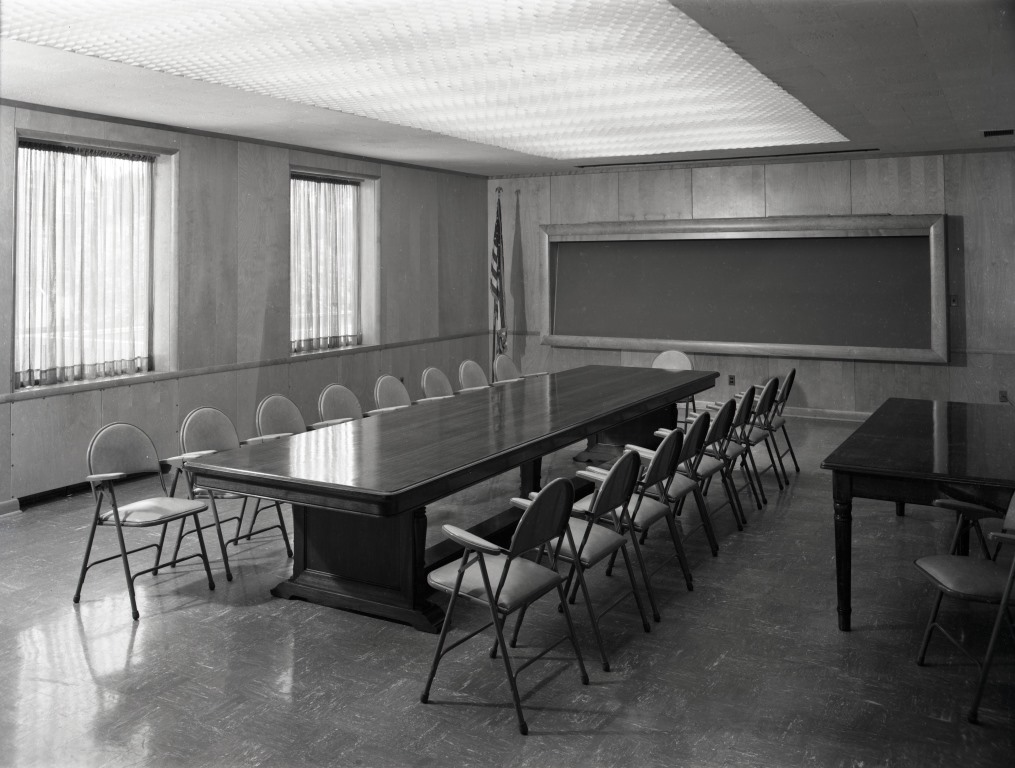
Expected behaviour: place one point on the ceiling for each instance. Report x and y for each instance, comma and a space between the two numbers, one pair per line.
891, 76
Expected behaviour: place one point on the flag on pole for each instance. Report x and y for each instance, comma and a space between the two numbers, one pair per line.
497, 285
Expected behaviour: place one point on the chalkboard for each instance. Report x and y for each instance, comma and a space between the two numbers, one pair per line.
860, 292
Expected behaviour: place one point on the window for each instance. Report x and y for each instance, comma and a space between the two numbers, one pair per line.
83, 262
324, 250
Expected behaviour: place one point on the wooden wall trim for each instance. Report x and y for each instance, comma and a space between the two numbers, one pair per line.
69, 388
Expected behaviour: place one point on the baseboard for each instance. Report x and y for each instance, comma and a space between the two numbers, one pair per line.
824, 413
9, 507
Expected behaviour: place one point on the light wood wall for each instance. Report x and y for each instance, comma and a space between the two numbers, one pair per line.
232, 245
975, 190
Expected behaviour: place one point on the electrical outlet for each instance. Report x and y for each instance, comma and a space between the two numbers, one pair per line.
1002, 396
733, 380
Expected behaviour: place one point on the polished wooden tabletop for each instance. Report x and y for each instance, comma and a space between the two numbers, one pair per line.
933, 440
424, 452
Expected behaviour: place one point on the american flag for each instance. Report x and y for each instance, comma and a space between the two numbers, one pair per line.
497, 285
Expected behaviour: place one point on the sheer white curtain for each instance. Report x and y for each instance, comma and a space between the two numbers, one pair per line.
82, 265
324, 264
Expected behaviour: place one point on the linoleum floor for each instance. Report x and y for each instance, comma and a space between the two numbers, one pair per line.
749, 669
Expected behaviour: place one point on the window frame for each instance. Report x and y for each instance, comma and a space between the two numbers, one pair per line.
163, 271
368, 247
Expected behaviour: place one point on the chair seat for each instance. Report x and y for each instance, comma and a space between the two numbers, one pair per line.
778, 421
709, 465
154, 511
966, 577
680, 486
733, 450
757, 435
602, 542
525, 581
649, 511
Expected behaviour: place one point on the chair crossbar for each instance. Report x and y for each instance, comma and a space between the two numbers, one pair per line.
958, 644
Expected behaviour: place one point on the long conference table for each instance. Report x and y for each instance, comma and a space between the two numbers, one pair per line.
915, 451
359, 490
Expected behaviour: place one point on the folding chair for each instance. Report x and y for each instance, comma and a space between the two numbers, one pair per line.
204, 431
682, 483
390, 394
337, 404
505, 370
471, 376
597, 542
436, 385
508, 583
118, 451
651, 502
974, 580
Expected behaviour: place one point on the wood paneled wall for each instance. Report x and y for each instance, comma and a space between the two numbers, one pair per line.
975, 190
232, 334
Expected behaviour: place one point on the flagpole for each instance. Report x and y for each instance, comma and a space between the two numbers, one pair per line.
499, 344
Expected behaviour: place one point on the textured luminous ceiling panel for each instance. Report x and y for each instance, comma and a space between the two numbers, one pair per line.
559, 79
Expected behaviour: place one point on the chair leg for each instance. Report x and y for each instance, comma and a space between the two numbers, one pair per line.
1002, 614
445, 627
204, 551
706, 520
746, 469
579, 574
644, 573
218, 532
778, 455
681, 554
733, 498
634, 589
790, 446
158, 549
571, 636
522, 727
285, 533
126, 568
179, 540
88, 552
757, 475
930, 629
771, 458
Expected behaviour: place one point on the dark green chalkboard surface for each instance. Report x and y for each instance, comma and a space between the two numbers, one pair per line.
823, 291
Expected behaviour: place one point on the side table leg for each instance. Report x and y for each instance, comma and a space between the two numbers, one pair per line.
843, 557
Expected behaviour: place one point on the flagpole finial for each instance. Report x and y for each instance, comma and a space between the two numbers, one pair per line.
499, 190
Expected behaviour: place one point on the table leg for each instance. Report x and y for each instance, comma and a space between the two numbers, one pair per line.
900, 509
530, 476
843, 503
365, 563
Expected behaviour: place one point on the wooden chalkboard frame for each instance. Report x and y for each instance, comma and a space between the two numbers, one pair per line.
931, 226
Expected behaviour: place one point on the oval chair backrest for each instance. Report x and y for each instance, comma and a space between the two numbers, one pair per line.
673, 360
719, 432
471, 375
504, 369
389, 392
694, 440
435, 383
618, 486
207, 429
664, 462
122, 447
787, 387
338, 402
545, 518
277, 414
745, 409
766, 400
